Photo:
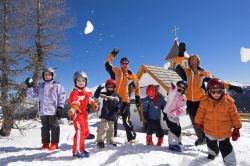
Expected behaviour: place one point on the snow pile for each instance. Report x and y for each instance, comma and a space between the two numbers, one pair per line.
245, 54
89, 28
19, 150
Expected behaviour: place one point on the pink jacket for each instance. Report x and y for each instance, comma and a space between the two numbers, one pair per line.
176, 104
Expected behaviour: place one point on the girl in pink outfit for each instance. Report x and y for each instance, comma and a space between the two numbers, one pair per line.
175, 107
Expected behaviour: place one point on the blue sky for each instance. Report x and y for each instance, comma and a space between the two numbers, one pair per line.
142, 31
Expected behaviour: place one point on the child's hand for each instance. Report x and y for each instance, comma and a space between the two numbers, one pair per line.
235, 134
71, 112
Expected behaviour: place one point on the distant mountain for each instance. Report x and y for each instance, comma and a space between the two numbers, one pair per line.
242, 101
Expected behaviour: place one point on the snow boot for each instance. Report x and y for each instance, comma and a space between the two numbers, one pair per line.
149, 140
83, 154
45, 146
100, 144
176, 148
90, 136
199, 142
53, 146
160, 141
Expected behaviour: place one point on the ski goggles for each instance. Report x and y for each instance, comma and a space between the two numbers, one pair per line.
80, 80
216, 91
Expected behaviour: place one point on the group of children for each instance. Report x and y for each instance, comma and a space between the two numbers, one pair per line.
216, 115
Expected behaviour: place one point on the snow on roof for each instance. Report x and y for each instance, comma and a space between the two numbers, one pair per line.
163, 76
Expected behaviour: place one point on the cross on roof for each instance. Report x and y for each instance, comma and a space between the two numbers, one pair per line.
175, 32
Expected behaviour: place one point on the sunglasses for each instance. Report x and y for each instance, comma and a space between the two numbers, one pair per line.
111, 86
214, 91
124, 63
80, 80
181, 87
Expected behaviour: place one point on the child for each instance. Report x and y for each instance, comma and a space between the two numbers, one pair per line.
51, 96
152, 106
217, 115
79, 100
176, 106
112, 102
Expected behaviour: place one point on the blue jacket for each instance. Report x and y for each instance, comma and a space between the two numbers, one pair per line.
151, 110
50, 95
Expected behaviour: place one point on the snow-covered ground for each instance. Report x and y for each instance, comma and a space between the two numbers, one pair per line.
23, 149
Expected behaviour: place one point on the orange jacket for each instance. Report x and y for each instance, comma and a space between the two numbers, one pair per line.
194, 91
218, 118
123, 80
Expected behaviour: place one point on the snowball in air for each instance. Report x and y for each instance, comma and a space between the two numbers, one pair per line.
89, 28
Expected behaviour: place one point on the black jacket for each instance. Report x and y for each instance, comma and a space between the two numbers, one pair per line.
110, 107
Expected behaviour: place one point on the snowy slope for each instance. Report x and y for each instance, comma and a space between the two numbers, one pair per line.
20, 150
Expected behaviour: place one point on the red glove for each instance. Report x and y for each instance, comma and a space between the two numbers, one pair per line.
235, 134
200, 126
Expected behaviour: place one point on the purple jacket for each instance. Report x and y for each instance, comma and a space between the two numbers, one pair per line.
50, 95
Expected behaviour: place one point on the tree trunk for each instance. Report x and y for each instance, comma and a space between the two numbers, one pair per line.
7, 113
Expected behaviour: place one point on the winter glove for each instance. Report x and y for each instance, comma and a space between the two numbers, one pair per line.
29, 82
98, 91
137, 101
237, 89
199, 126
173, 85
115, 52
59, 112
235, 134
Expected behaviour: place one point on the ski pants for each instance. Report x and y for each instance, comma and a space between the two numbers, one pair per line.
81, 128
127, 123
192, 108
174, 135
155, 126
107, 127
225, 147
50, 124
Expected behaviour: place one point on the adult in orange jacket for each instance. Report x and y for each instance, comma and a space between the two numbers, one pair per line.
124, 77
78, 100
217, 115
195, 77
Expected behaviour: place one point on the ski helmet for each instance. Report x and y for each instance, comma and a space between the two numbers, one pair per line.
49, 69
215, 83
80, 74
110, 81
150, 91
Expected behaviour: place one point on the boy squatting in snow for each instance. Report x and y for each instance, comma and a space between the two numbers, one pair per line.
217, 115
152, 107
51, 96
78, 100
111, 105
176, 106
